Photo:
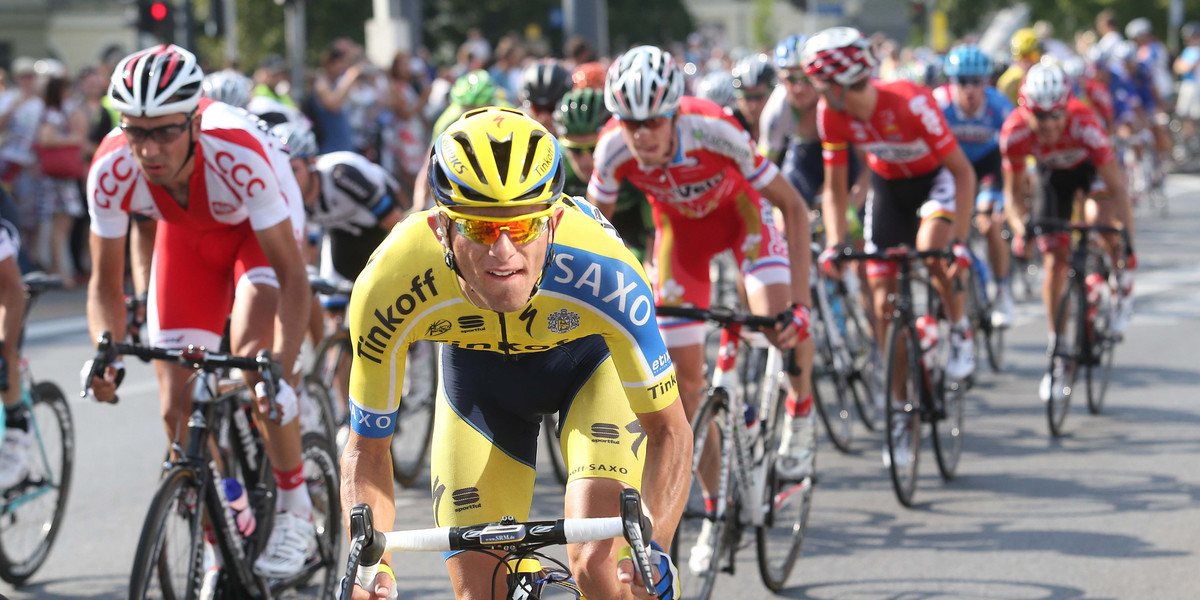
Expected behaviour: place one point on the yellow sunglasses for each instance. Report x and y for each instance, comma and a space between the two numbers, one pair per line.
487, 230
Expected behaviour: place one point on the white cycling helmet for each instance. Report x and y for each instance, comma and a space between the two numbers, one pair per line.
643, 83
1074, 67
228, 86
1045, 88
157, 81
300, 140
718, 87
754, 71
838, 54
1138, 27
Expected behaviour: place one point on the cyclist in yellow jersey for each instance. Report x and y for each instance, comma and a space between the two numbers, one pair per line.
1026, 52
540, 309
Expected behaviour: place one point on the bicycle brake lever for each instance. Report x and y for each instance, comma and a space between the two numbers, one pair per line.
271, 372
105, 354
638, 531
363, 565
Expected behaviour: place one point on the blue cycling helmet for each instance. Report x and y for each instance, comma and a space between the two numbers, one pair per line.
968, 61
787, 53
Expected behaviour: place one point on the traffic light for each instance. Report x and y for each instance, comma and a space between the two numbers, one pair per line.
157, 18
916, 13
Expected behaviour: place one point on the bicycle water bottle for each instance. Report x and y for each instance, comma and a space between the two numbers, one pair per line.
927, 335
243, 517
750, 412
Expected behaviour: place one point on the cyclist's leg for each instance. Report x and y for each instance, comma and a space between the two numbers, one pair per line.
486, 427
14, 454
989, 218
600, 470
1055, 196
890, 222
937, 229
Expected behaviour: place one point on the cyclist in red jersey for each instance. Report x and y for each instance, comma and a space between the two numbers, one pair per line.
703, 178
224, 197
1092, 93
920, 176
1071, 150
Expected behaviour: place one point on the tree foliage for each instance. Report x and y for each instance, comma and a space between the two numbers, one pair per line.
1067, 16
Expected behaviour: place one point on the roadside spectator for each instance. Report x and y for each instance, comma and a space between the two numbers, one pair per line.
478, 46
408, 142
338, 74
20, 111
506, 71
64, 124
364, 108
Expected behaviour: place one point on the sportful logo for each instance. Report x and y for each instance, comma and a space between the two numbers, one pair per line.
562, 321
470, 323
607, 433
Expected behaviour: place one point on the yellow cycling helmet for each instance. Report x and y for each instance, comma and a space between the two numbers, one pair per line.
1025, 42
496, 156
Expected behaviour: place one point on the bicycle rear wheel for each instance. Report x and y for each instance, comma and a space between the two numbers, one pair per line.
1070, 340
331, 365
316, 408
699, 543
948, 428
32, 511
784, 505
414, 422
168, 562
831, 389
321, 572
904, 371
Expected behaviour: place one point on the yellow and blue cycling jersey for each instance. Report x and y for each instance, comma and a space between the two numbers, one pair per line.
593, 286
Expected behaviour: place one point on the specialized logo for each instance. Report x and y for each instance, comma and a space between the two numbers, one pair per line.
471, 323
607, 433
438, 327
372, 345
635, 427
562, 321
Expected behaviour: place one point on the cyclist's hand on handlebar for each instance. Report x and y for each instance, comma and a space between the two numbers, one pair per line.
788, 335
285, 400
667, 585
828, 261
1018, 247
102, 389
385, 586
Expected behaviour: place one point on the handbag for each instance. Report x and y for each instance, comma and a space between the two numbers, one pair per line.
63, 162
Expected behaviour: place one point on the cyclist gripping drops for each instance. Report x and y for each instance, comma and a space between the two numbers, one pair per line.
539, 310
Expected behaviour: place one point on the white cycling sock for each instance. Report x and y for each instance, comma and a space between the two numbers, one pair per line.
295, 501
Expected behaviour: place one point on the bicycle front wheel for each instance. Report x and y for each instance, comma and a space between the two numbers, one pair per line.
1103, 344
1070, 341
948, 428
316, 408
831, 389
168, 562
699, 543
320, 575
414, 422
33, 510
784, 507
904, 372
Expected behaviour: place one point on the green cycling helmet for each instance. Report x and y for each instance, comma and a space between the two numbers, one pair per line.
473, 90
581, 112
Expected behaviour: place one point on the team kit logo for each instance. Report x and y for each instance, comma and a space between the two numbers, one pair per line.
562, 321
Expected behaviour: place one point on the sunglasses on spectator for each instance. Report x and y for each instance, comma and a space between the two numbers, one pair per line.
487, 230
578, 148
651, 123
1045, 115
970, 81
161, 135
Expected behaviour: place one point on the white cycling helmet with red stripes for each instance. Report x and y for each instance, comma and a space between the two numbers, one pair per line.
643, 83
1045, 88
157, 81
841, 55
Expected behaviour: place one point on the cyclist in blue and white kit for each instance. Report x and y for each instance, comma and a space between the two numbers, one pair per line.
975, 112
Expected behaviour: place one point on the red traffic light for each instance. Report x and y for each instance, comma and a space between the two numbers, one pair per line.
158, 11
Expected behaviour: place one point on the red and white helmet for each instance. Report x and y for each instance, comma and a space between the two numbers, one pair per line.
163, 80
838, 54
643, 83
1045, 88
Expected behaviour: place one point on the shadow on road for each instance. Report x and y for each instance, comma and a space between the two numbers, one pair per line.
929, 589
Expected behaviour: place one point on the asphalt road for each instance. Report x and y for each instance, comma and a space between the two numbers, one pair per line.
1112, 510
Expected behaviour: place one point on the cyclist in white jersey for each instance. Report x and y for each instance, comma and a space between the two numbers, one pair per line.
225, 249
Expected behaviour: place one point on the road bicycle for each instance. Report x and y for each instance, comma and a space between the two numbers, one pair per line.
1083, 329
32, 510
414, 422
928, 395
980, 305
531, 574
222, 442
737, 439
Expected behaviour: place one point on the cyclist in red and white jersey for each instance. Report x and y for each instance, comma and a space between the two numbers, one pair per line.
921, 178
224, 197
706, 186
1071, 150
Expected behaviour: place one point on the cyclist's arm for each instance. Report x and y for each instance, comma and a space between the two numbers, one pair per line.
668, 468
964, 190
367, 478
141, 251
1114, 180
12, 294
279, 245
833, 204
795, 220
1014, 201
106, 298
858, 189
